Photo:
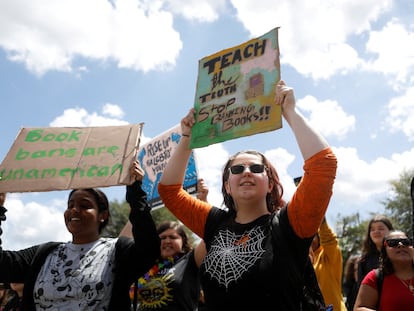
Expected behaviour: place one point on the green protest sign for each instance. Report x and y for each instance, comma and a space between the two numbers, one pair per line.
235, 92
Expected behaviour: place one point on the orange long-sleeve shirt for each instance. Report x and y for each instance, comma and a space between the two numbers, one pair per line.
305, 210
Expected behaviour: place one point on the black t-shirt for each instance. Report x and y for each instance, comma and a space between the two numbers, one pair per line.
176, 288
245, 269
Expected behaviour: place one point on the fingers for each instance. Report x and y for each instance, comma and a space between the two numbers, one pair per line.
202, 190
202, 186
189, 120
187, 123
136, 171
282, 92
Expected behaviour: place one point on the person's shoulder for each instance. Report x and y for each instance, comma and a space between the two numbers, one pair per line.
123, 239
218, 212
372, 273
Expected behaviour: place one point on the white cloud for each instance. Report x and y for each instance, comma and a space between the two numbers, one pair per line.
401, 114
200, 10
327, 117
281, 159
78, 117
313, 34
134, 33
393, 47
359, 182
210, 161
50, 35
31, 223
113, 110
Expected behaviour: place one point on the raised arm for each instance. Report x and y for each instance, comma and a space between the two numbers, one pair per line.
191, 211
136, 174
174, 171
309, 141
147, 242
313, 193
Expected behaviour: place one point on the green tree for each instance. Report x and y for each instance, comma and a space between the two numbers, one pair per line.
350, 231
120, 213
162, 214
119, 217
399, 205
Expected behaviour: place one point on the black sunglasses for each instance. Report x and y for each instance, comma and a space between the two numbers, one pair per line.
396, 242
254, 168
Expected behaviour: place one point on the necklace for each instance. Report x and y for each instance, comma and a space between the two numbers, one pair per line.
408, 284
159, 265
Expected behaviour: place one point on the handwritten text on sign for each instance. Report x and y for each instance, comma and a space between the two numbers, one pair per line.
154, 156
235, 92
43, 159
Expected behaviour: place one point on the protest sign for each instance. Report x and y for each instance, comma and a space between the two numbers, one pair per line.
58, 158
153, 157
235, 92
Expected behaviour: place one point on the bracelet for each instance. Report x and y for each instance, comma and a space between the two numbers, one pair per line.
185, 135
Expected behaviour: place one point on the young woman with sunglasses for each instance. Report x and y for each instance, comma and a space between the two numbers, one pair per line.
244, 268
378, 227
396, 269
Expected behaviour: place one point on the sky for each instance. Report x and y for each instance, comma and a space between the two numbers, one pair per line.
97, 63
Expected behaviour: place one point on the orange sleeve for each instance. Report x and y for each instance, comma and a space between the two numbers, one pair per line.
189, 210
311, 199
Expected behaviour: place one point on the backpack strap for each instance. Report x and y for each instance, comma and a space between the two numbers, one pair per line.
311, 295
380, 280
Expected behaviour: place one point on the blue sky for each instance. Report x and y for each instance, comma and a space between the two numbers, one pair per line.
97, 62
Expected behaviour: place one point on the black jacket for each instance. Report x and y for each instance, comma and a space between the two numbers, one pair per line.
133, 257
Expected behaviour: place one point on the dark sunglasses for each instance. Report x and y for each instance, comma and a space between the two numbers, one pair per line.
396, 242
254, 168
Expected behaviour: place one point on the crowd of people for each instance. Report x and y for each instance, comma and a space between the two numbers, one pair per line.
252, 253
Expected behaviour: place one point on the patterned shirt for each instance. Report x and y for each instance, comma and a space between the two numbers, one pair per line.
61, 286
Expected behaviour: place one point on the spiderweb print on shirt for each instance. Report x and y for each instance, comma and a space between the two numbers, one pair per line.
232, 255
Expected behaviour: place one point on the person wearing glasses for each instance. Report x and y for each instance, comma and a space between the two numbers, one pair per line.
245, 268
378, 227
396, 270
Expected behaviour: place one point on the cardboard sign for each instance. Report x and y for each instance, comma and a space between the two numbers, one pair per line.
59, 158
153, 157
235, 92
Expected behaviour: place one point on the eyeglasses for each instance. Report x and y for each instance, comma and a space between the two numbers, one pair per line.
254, 168
396, 242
